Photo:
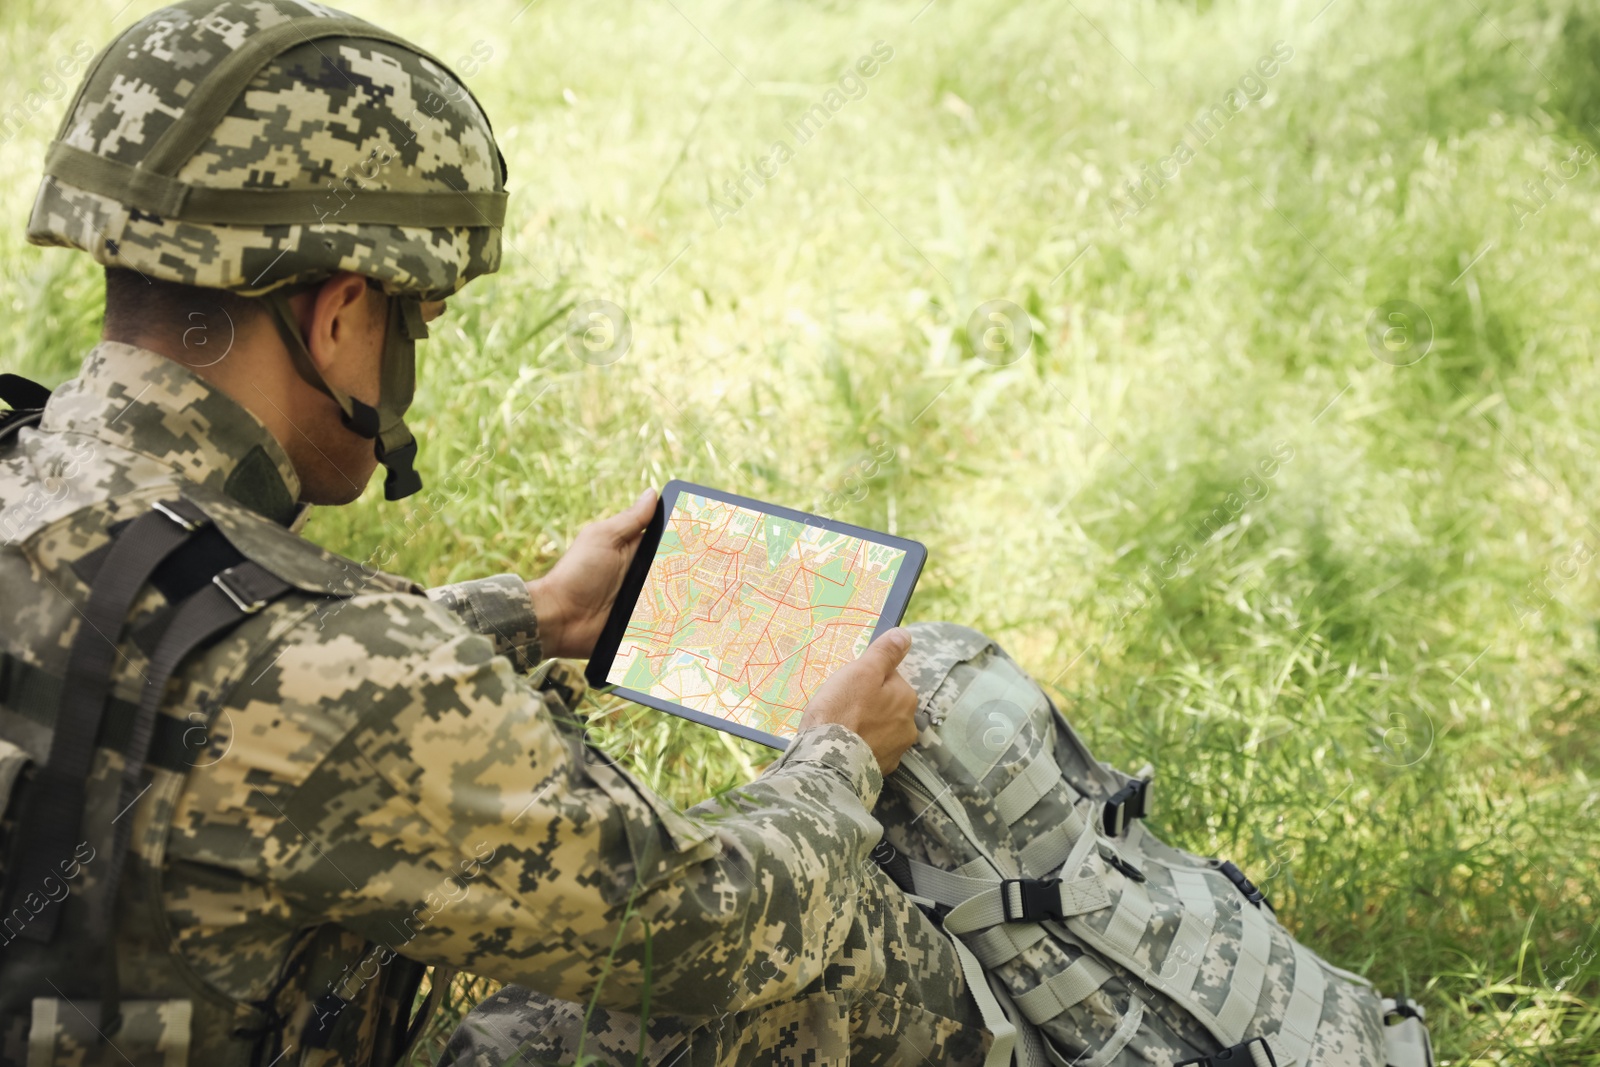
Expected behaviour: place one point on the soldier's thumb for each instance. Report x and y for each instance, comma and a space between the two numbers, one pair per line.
889, 649
627, 525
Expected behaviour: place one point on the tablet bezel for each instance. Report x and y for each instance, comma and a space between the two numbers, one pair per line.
605, 651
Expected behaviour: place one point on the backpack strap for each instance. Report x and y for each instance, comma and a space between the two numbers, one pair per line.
1199, 920
1298, 1031
1405, 1033
1249, 973
55, 808
1001, 1030
213, 588
1063, 991
26, 399
232, 595
996, 1015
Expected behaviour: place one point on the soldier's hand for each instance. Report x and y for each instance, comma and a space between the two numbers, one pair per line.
871, 698
574, 599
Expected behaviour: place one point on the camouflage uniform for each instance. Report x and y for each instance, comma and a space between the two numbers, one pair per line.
380, 769
359, 780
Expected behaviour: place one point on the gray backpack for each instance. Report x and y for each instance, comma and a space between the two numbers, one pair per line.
1085, 940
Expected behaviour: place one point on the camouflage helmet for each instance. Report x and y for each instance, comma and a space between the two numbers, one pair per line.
259, 146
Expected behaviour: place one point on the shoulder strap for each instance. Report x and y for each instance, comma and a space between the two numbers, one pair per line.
55, 807
232, 595
22, 394
212, 589
26, 399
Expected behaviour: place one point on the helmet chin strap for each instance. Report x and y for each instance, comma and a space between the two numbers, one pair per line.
393, 442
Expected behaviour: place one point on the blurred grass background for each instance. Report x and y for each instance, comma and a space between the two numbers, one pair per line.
1370, 678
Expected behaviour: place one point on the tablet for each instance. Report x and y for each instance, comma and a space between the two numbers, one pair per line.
734, 611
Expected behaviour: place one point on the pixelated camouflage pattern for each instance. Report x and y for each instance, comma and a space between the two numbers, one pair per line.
946, 663
339, 115
894, 994
154, 1033
498, 608
375, 784
521, 1025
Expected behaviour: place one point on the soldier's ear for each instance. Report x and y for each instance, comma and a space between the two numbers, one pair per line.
339, 317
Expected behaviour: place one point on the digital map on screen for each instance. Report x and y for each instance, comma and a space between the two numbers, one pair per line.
744, 614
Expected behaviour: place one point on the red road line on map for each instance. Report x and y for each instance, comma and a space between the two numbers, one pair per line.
710, 542
803, 649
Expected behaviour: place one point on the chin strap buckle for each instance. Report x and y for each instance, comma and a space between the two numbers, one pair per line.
402, 478
361, 419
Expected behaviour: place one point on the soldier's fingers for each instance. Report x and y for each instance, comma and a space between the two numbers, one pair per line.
904, 697
888, 650
911, 731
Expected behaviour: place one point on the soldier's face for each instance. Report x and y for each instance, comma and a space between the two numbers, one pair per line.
353, 339
345, 324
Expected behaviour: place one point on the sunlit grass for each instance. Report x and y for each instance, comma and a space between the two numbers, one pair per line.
1373, 683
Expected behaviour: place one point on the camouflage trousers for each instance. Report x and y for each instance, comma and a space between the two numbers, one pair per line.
894, 996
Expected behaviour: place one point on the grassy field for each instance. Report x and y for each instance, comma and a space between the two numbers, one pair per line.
1331, 570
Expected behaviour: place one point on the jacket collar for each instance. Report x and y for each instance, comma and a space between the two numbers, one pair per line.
142, 401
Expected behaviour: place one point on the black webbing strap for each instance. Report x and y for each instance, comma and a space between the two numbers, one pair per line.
51, 828
233, 594
34, 694
26, 400
1246, 887
22, 394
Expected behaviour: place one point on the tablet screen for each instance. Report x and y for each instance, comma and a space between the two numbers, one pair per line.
743, 614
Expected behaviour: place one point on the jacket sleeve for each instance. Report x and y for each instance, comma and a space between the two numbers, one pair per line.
500, 609
461, 819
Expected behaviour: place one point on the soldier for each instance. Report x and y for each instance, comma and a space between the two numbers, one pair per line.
251, 791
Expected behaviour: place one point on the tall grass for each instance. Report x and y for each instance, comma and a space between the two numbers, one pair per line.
1371, 678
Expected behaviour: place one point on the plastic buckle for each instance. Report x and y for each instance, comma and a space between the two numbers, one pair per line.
1244, 885
1109, 853
1405, 1008
1237, 1056
1038, 898
242, 598
1125, 805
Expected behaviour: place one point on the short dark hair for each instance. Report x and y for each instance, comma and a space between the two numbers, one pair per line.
141, 306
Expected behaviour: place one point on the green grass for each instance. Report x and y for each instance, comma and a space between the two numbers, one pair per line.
1343, 682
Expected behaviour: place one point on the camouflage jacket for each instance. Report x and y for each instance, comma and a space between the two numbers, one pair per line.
380, 777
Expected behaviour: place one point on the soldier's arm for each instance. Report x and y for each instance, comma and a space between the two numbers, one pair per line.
458, 819
500, 609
